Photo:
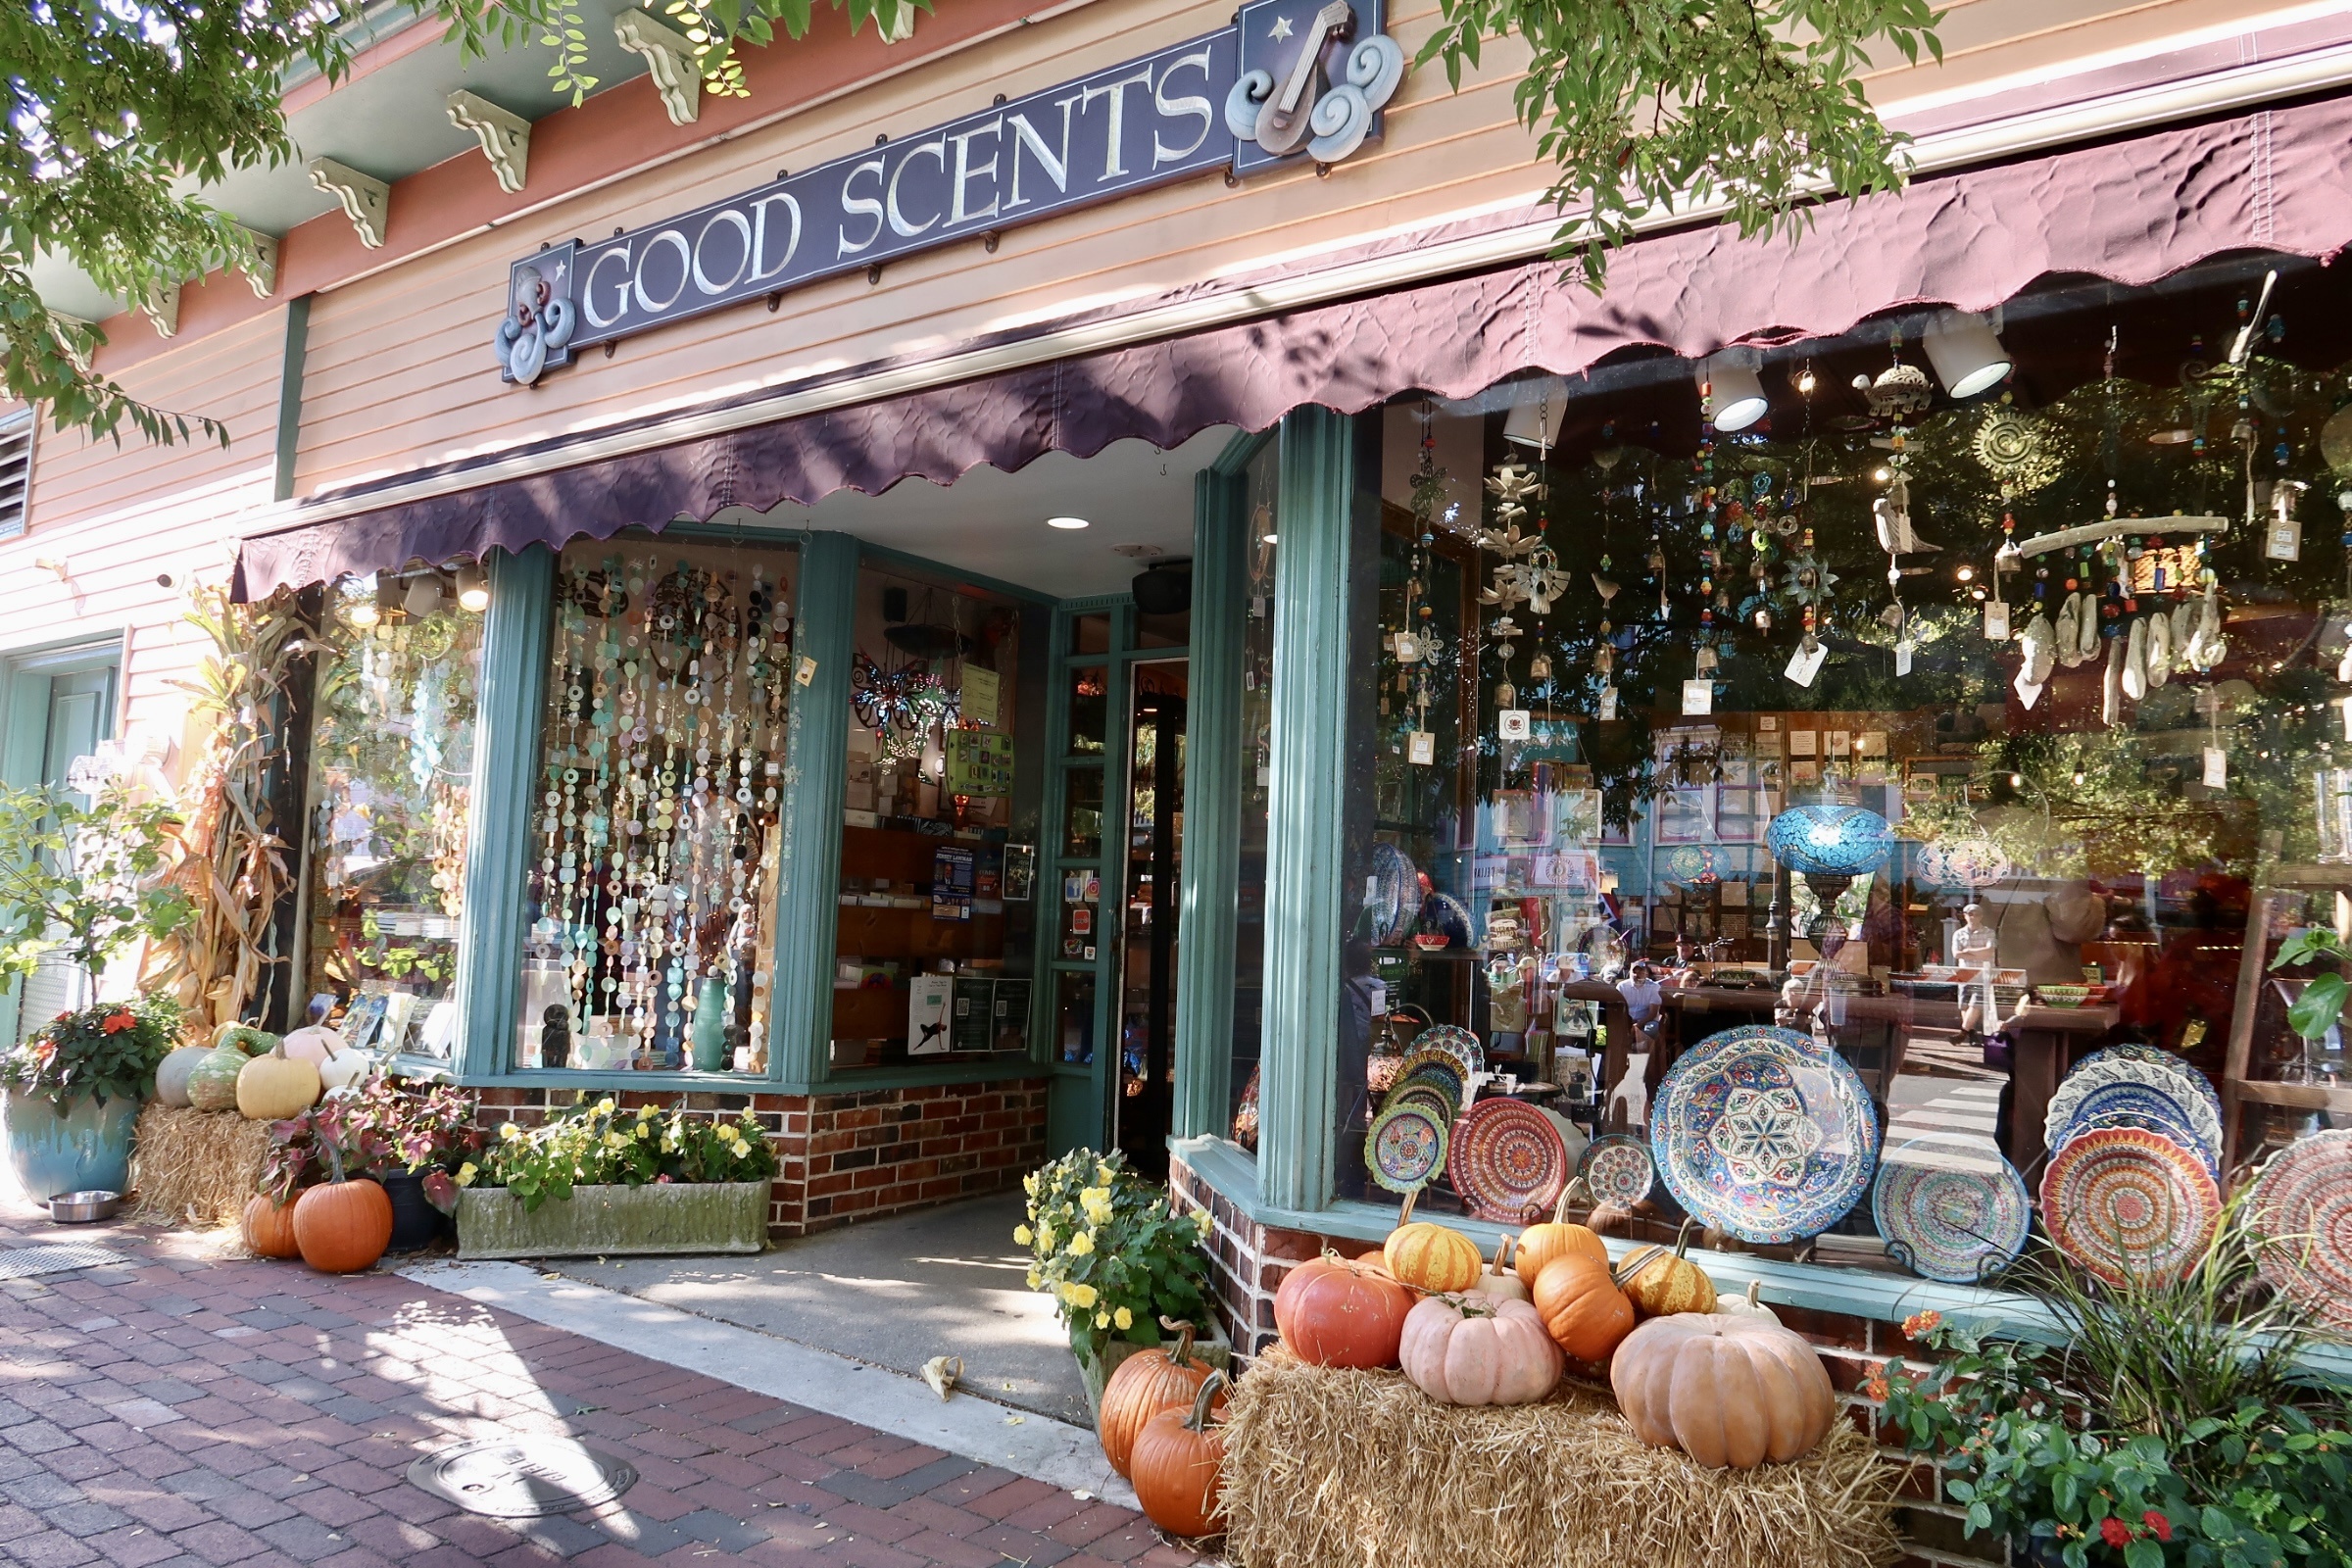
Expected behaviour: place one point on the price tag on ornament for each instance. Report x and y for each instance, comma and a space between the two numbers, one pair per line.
1421, 747
805, 673
1408, 648
1902, 656
1807, 664
1513, 723
1699, 697
1996, 620
2217, 768
1608, 704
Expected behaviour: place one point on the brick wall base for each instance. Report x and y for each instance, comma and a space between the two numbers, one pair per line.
851, 1156
1248, 1262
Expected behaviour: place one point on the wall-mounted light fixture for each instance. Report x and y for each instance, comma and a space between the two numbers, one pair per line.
1738, 391
1966, 352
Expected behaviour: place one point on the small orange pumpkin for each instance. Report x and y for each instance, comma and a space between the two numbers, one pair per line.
1179, 1467
1543, 1244
345, 1225
1663, 1282
1429, 1256
1145, 1383
1582, 1307
269, 1228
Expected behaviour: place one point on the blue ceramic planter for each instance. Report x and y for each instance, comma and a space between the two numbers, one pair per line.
87, 1148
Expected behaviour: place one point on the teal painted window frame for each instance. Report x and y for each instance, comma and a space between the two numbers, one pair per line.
25, 676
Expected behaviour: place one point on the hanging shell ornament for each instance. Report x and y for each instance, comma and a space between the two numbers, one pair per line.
1542, 580
1512, 485
2087, 626
1509, 590
2038, 644
2135, 660
1603, 587
1896, 536
1899, 389
2111, 688
2160, 648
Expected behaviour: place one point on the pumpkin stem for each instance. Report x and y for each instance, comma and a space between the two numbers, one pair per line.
1682, 1237
1635, 1262
1559, 1210
1198, 1421
334, 1158
1182, 1355
1756, 1291
1500, 1248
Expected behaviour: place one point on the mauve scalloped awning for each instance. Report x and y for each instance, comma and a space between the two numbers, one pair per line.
2130, 211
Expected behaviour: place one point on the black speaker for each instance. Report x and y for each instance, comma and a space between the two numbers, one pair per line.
1165, 588
894, 604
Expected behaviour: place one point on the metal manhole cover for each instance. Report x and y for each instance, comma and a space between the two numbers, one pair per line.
522, 1478
28, 1262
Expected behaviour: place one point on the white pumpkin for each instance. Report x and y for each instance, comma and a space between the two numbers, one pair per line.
171, 1077
1497, 1282
1748, 1305
313, 1043
345, 1065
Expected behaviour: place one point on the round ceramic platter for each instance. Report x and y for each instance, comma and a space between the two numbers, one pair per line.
2197, 1115
1405, 1147
1504, 1158
1434, 1066
1456, 1042
1421, 1091
2129, 1205
1617, 1169
2303, 1208
1395, 895
2158, 1057
2137, 1105
2162, 1127
1762, 1133
1952, 1213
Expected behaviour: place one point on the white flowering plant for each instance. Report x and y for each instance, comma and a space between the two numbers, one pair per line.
1114, 1252
595, 1143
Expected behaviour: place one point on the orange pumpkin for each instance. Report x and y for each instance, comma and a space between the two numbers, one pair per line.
1332, 1312
1583, 1309
269, 1228
1145, 1383
343, 1226
1727, 1390
1663, 1282
1179, 1467
1543, 1244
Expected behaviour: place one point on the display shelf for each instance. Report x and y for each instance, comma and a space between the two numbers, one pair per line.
2238, 1087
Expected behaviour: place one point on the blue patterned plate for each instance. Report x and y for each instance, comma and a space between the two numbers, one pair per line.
2141, 1105
1616, 1170
2156, 1056
2164, 1078
1764, 1134
1456, 1042
1955, 1212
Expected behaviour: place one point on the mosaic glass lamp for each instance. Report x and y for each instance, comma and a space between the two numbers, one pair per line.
1832, 844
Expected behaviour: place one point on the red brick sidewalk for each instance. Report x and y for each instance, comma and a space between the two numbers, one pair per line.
183, 1412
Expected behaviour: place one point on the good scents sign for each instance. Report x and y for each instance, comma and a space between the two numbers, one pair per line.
1291, 78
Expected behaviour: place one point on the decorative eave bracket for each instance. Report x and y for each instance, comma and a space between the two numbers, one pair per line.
366, 200
162, 308
263, 273
506, 136
670, 54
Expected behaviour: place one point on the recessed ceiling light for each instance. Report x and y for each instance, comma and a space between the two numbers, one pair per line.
1068, 522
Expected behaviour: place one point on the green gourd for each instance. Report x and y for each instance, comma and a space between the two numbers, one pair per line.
212, 1084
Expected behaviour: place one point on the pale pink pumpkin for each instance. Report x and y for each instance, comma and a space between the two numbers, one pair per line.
1729, 1392
1479, 1350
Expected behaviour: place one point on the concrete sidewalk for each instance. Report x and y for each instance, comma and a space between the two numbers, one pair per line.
180, 1409
893, 1292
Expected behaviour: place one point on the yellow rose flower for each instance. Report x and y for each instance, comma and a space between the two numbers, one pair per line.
1082, 1245
1029, 1184
1082, 1295
507, 1132
1035, 1278
604, 1107
1022, 1234
466, 1173
1123, 1318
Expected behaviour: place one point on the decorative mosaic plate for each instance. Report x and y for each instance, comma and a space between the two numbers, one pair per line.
1428, 1095
1405, 1147
2158, 1057
1949, 1212
1505, 1157
2136, 1104
2201, 1116
1764, 1134
2129, 1205
1456, 1042
2303, 1208
1435, 1067
1394, 903
1617, 1169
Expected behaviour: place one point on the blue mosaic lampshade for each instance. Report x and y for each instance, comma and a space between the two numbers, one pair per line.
1830, 840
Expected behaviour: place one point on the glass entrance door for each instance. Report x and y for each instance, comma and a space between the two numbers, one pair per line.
1148, 927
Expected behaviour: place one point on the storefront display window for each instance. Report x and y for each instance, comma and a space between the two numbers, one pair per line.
937, 925
654, 850
1261, 540
392, 781
1854, 793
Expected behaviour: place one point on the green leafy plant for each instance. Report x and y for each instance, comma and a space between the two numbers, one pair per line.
108, 1051
82, 880
2321, 1003
383, 1128
1663, 106
2168, 1424
1114, 1252
594, 1143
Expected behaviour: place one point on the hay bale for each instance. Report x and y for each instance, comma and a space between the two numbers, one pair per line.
196, 1167
1326, 1468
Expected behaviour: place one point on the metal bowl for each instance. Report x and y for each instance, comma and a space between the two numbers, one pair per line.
81, 1209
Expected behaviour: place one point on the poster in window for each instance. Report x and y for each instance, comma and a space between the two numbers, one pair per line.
950, 883
974, 1025
1010, 1006
979, 764
1020, 872
979, 695
929, 999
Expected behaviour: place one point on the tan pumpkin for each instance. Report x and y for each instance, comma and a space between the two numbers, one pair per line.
1729, 1392
269, 1228
1543, 1244
1663, 1282
1498, 1284
275, 1086
1475, 1349
1428, 1257
1179, 1466
1583, 1309
1749, 1305
1146, 1383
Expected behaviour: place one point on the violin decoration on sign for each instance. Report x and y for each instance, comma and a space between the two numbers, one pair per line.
1309, 80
